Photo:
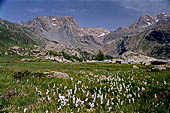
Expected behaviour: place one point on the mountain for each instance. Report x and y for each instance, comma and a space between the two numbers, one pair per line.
67, 31
12, 34
148, 36
154, 42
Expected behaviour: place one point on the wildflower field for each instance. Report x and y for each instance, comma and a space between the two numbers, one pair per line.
91, 88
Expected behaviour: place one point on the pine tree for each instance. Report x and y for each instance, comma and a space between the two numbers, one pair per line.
100, 56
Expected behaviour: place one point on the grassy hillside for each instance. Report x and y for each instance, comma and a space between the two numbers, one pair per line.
92, 87
12, 34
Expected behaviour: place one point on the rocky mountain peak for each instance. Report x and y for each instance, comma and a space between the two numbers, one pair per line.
163, 18
54, 20
69, 19
67, 31
145, 21
52, 23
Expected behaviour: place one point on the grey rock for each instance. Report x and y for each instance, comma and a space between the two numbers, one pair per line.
159, 68
135, 67
25, 60
135, 58
59, 75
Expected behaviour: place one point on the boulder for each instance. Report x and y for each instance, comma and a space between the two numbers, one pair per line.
135, 67
15, 48
58, 75
158, 68
118, 61
107, 61
136, 58
25, 60
6, 53
57, 59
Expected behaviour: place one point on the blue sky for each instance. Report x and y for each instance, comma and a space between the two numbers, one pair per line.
109, 14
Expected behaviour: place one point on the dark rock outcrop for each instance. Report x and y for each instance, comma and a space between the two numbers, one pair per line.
150, 36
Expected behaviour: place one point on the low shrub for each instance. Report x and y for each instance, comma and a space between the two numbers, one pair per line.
25, 73
21, 74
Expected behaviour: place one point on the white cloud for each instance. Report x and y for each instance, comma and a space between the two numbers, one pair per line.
152, 6
149, 6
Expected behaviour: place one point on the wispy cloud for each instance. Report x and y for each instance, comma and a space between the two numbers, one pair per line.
54, 10
151, 6
36, 10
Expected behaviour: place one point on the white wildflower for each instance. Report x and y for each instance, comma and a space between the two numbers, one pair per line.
25, 110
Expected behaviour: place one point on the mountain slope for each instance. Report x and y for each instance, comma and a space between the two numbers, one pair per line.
65, 30
154, 42
13, 34
148, 36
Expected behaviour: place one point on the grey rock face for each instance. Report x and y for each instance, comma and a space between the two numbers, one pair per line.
163, 18
148, 36
65, 30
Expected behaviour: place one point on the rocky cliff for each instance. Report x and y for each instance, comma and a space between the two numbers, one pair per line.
150, 35
67, 31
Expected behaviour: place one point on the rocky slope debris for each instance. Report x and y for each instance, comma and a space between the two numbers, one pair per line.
38, 54
136, 58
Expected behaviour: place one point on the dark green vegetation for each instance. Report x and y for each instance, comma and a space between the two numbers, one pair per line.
100, 56
92, 87
71, 57
12, 34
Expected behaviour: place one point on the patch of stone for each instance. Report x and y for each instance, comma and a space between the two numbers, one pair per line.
135, 67
55, 74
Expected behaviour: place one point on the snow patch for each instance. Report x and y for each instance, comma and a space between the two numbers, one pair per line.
101, 35
149, 23
54, 24
53, 19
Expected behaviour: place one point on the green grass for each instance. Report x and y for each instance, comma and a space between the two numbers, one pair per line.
92, 87
14, 34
